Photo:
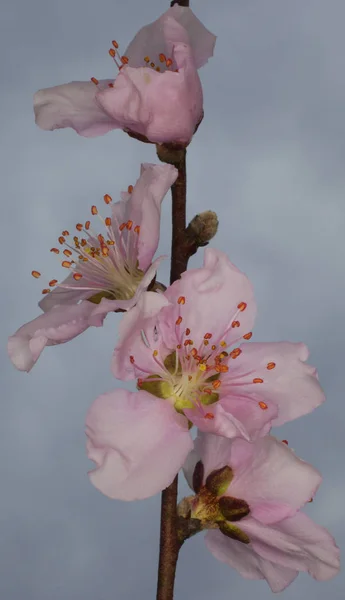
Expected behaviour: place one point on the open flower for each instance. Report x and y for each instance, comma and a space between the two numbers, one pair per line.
108, 271
186, 347
157, 93
249, 497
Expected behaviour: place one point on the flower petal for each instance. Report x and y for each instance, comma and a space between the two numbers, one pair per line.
164, 107
138, 338
60, 295
178, 24
250, 565
271, 478
296, 543
138, 442
61, 324
287, 381
73, 105
144, 205
212, 296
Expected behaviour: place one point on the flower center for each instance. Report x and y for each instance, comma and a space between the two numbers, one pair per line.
193, 376
106, 263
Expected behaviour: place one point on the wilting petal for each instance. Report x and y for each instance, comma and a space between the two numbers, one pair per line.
271, 478
296, 543
177, 24
61, 324
73, 105
247, 562
281, 377
137, 338
138, 443
212, 296
143, 207
164, 107
106, 306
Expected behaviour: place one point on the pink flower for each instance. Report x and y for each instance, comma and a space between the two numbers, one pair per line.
178, 346
111, 270
254, 521
156, 94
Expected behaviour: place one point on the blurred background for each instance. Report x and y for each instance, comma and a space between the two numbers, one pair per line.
269, 158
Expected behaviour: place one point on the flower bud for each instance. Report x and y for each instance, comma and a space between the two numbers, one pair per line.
219, 480
203, 227
233, 509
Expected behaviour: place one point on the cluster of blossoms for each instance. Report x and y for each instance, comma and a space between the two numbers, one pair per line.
188, 348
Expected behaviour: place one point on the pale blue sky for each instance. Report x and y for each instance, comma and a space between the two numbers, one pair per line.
269, 158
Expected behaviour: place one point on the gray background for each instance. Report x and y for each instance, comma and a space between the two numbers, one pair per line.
269, 158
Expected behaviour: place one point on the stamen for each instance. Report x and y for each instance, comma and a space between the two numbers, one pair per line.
178, 321
115, 44
66, 263
87, 225
65, 232
162, 57
247, 336
94, 210
181, 300
107, 199
207, 336
147, 59
124, 60
52, 282
258, 380
235, 324
108, 221
112, 52
94, 80
55, 250
235, 353
77, 276
209, 416
79, 226
242, 306
36, 274
130, 189
270, 365
263, 405
187, 331
45, 291
61, 239
285, 442
169, 62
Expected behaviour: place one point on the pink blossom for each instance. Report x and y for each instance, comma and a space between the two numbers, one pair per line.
181, 351
111, 269
156, 94
273, 540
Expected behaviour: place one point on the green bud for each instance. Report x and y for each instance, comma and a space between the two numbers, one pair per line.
233, 509
233, 532
198, 476
218, 481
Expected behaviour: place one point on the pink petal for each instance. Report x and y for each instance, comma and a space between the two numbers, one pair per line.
138, 443
60, 296
165, 107
73, 105
271, 478
296, 543
61, 324
291, 384
234, 417
105, 306
138, 338
250, 565
143, 207
178, 24
212, 296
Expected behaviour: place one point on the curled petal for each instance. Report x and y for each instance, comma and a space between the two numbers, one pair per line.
177, 24
73, 105
61, 324
143, 207
138, 443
